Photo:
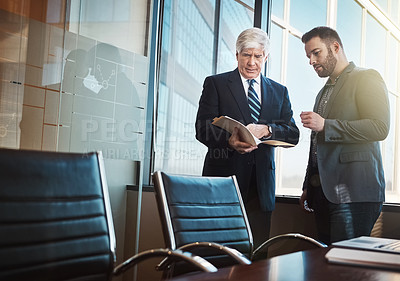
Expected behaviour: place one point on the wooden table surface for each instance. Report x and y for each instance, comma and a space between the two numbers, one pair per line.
300, 266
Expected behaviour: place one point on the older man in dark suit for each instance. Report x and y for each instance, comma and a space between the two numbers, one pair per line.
344, 183
269, 115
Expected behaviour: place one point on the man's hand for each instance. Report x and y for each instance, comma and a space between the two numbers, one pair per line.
312, 121
303, 202
259, 130
238, 145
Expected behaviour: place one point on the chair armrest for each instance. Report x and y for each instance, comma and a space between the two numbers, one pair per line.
197, 261
235, 254
274, 239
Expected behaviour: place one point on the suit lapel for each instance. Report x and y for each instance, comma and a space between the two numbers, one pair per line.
236, 87
266, 97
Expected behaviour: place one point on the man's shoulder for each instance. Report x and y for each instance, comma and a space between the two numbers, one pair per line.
357, 70
365, 75
273, 83
224, 75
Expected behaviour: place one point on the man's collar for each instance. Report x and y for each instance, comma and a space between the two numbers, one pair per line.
349, 66
257, 79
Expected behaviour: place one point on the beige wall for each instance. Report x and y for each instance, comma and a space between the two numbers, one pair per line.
150, 235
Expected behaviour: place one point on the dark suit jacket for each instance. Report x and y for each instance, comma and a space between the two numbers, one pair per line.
348, 151
223, 94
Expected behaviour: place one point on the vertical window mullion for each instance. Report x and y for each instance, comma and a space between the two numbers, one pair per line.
217, 19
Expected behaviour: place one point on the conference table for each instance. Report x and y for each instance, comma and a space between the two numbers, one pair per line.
309, 265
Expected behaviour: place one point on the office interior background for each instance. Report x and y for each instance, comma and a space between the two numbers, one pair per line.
125, 77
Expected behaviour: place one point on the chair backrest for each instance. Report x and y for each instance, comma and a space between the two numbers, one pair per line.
287, 243
55, 218
203, 209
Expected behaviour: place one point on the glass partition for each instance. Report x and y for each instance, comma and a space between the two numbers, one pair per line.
74, 75
104, 84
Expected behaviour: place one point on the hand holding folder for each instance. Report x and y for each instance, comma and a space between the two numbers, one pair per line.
227, 123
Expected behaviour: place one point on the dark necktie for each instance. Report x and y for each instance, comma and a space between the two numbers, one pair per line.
253, 101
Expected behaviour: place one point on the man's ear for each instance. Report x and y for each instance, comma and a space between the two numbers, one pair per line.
237, 54
336, 47
265, 60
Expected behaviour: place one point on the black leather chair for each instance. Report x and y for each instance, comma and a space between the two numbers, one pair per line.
206, 216
55, 219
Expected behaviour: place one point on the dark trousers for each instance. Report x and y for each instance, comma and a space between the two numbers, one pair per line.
336, 222
260, 221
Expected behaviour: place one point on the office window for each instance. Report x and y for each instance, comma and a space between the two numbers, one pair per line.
393, 64
274, 62
306, 15
167, 27
303, 85
389, 158
302, 82
349, 27
389, 151
395, 11
278, 8
383, 4
186, 60
226, 58
162, 119
192, 41
375, 52
176, 148
235, 17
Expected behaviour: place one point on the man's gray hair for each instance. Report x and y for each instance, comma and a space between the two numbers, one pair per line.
253, 38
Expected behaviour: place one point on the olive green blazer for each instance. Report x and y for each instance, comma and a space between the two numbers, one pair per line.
348, 151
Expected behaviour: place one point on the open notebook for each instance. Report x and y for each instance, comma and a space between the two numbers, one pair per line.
371, 243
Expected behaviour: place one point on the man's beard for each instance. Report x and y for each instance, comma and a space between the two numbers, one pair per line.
328, 65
